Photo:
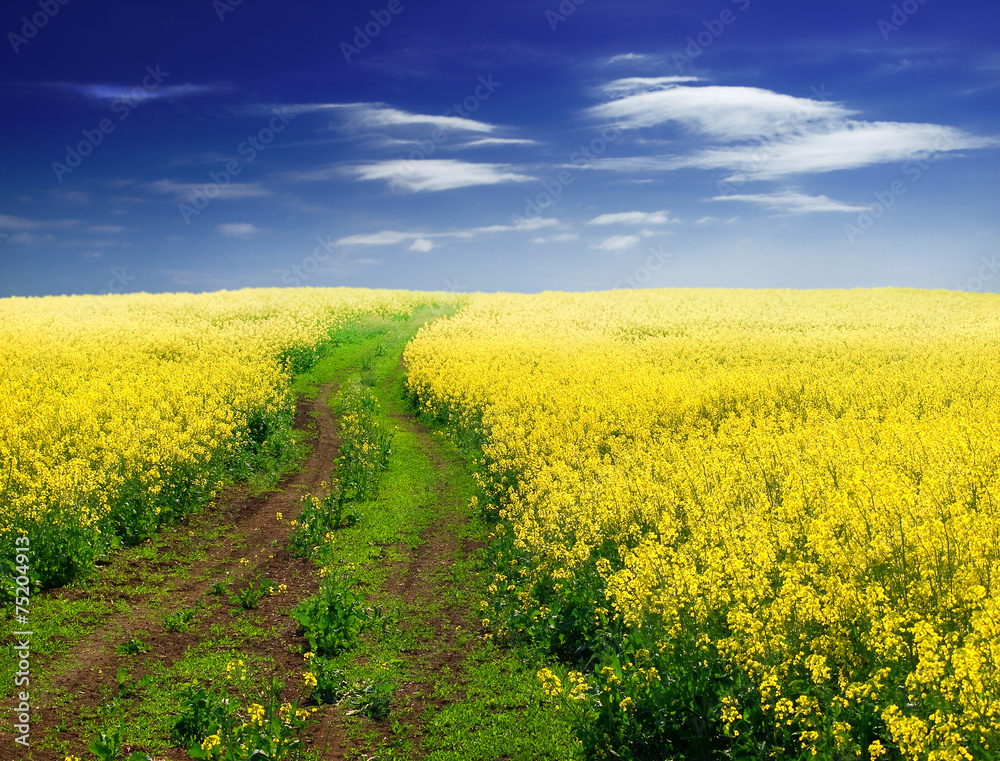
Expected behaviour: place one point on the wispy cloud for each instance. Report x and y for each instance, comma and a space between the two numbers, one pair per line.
728, 113
560, 238
106, 229
187, 191
846, 146
765, 135
629, 58
106, 92
237, 229
618, 243
437, 174
421, 239
633, 218
790, 202
498, 141
381, 115
9, 222
632, 85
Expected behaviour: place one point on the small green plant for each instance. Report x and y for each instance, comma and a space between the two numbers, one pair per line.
332, 620
320, 516
179, 621
330, 685
108, 747
132, 646
128, 687
244, 722
219, 588
202, 712
373, 699
250, 596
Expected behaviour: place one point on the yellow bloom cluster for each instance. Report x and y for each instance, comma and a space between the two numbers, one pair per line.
130, 403
813, 477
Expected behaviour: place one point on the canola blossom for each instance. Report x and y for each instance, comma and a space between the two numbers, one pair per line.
790, 498
122, 412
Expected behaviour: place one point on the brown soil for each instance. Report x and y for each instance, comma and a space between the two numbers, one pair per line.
417, 582
254, 545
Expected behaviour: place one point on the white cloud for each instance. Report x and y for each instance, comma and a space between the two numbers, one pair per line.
367, 260
765, 135
627, 58
106, 228
498, 141
791, 202
132, 93
30, 239
618, 243
375, 115
438, 174
731, 113
319, 174
9, 222
715, 220
632, 85
422, 245
632, 218
237, 229
847, 146
188, 191
394, 237
384, 238
560, 238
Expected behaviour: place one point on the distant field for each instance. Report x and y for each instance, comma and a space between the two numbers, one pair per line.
744, 524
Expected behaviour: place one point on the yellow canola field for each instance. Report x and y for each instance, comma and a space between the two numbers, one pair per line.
805, 484
116, 408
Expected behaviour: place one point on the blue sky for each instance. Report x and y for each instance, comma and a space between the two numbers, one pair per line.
515, 145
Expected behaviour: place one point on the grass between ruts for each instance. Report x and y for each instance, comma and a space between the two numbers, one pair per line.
443, 690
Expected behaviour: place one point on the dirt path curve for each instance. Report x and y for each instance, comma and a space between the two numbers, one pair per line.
253, 544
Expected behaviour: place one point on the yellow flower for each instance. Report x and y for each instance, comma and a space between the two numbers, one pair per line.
310, 679
210, 742
256, 713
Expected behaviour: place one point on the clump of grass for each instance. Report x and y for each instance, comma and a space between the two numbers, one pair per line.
179, 621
